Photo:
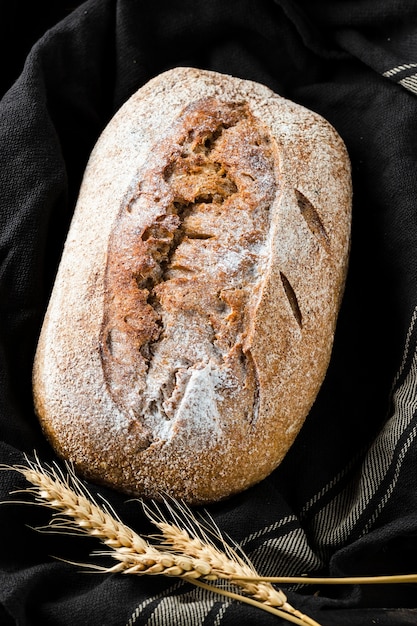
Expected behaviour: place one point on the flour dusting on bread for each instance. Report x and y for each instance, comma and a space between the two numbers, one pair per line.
192, 319
183, 270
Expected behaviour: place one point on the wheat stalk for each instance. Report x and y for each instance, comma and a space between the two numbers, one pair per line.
197, 543
67, 496
226, 563
180, 554
186, 548
388, 579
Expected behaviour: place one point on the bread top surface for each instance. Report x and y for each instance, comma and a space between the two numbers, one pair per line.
192, 318
179, 298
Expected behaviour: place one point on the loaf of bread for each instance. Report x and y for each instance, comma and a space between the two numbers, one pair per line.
191, 323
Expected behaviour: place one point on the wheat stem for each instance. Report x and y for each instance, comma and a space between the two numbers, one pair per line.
342, 580
228, 566
302, 621
221, 565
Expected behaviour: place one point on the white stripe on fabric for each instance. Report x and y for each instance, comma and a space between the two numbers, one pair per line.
220, 613
399, 68
189, 609
334, 523
285, 556
410, 83
269, 529
391, 486
291, 553
136, 613
318, 496
406, 348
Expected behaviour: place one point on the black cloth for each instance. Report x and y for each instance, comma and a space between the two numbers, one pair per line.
344, 500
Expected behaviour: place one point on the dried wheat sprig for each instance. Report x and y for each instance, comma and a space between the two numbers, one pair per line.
189, 552
304, 620
67, 496
230, 566
225, 563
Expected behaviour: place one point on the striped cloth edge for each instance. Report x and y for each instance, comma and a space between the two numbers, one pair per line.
351, 509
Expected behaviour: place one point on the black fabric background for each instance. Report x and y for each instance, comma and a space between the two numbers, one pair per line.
58, 96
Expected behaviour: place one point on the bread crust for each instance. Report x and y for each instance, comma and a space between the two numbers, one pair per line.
192, 318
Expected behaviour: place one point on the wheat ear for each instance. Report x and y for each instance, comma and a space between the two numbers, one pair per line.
194, 538
75, 510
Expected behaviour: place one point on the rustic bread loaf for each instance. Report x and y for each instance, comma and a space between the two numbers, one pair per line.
192, 319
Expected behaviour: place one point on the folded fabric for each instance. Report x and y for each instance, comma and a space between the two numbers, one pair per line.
344, 501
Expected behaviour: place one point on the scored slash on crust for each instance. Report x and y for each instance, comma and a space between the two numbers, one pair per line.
312, 218
191, 268
193, 181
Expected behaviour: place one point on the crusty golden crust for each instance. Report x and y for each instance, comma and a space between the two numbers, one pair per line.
192, 318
